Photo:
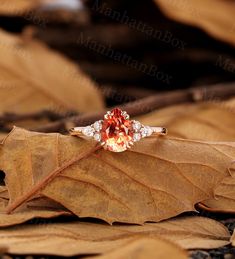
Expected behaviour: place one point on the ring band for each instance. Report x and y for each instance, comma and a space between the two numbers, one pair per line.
117, 132
76, 131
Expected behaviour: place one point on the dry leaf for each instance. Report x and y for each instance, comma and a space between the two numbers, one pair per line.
206, 121
216, 17
233, 238
28, 123
165, 115
3, 192
224, 195
21, 217
2, 136
34, 78
231, 103
67, 239
33, 211
146, 248
157, 179
17, 7
38, 208
4, 198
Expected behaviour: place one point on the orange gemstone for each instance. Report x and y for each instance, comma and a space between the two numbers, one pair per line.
116, 132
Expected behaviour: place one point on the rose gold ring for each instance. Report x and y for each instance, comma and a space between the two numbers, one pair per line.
117, 132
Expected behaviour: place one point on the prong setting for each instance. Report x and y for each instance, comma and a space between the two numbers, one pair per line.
116, 132
106, 116
125, 115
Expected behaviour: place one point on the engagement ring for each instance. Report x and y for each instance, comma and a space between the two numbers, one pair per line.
117, 132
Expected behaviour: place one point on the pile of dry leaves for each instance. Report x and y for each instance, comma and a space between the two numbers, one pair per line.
66, 196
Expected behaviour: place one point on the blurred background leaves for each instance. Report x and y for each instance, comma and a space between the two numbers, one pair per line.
63, 62
105, 53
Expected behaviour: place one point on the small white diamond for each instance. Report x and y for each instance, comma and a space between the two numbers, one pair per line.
97, 137
98, 125
149, 130
136, 125
88, 131
146, 131
143, 132
136, 137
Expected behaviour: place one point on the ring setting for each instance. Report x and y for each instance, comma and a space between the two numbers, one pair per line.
116, 132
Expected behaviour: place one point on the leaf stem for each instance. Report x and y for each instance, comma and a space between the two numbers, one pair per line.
43, 183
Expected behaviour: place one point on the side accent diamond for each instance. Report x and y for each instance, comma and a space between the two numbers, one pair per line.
136, 137
98, 125
136, 125
97, 137
88, 131
146, 131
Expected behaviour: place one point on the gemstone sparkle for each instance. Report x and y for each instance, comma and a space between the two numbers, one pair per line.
136, 125
146, 131
98, 126
117, 132
88, 131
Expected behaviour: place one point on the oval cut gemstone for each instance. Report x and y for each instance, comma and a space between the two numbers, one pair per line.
117, 132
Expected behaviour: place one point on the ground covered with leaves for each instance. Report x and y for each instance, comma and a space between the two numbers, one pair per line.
166, 197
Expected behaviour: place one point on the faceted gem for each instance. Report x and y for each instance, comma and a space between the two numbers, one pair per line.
98, 125
97, 136
136, 125
136, 137
88, 131
117, 131
146, 131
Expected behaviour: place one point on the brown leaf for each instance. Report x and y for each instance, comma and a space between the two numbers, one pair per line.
4, 192
224, 195
146, 248
165, 115
157, 179
17, 7
217, 21
233, 238
23, 216
4, 197
34, 78
2, 136
206, 121
67, 239
231, 103
37, 208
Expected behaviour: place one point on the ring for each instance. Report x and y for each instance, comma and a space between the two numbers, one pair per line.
117, 132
